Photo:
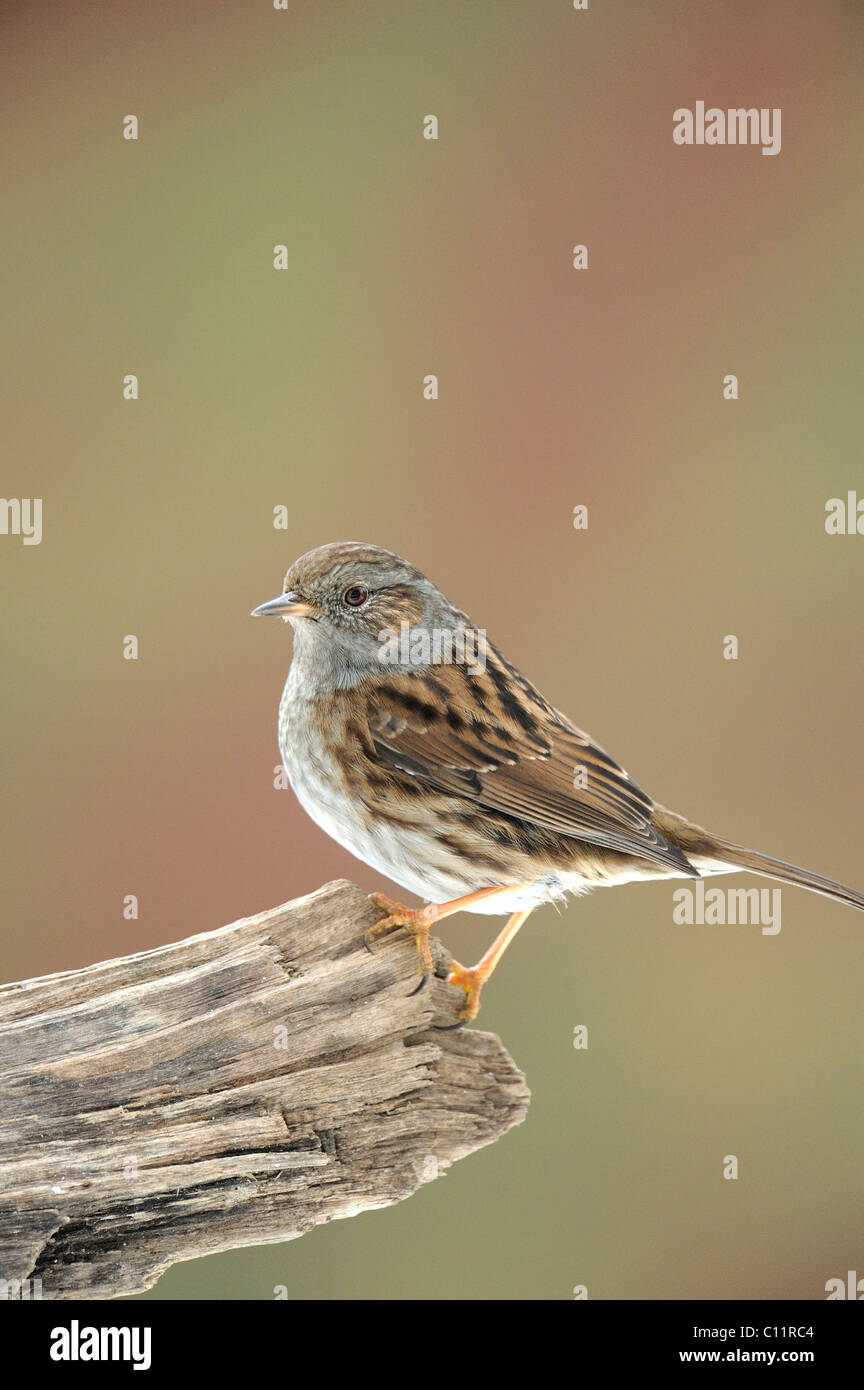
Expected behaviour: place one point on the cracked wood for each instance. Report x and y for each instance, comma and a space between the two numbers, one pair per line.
236, 1088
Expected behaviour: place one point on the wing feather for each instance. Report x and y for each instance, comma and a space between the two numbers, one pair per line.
494, 740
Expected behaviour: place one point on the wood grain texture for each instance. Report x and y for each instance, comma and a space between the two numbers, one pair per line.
236, 1088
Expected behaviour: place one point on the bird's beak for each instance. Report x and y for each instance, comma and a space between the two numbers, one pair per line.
286, 606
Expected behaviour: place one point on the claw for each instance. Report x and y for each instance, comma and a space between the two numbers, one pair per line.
418, 921
471, 981
422, 985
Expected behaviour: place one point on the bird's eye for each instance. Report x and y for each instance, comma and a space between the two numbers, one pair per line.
355, 595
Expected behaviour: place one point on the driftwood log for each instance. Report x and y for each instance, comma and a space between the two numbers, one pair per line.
232, 1089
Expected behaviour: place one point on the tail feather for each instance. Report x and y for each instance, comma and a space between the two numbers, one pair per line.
711, 854
755, 863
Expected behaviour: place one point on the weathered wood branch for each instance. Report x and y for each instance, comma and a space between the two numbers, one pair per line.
232, 1089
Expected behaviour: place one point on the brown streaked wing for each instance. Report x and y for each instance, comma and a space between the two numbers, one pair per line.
493, 739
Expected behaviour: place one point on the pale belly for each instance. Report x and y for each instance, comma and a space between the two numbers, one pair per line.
393, 851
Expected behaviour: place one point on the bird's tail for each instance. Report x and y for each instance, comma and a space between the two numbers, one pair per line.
710, 854
755, 863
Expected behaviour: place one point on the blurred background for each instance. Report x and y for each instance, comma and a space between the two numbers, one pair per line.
603, 387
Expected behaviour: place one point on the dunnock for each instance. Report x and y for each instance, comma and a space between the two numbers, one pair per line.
423, 751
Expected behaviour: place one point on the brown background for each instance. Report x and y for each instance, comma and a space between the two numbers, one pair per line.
557, 388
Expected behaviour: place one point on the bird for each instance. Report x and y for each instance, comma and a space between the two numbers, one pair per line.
409, 738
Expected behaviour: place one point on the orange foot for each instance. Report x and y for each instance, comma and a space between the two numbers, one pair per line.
472, 980
418, 920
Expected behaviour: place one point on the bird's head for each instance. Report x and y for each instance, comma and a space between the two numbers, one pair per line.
345, 600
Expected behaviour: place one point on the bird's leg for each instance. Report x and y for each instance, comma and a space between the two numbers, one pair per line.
420, 920
473, 978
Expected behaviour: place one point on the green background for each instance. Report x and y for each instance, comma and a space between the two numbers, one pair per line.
557, 387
